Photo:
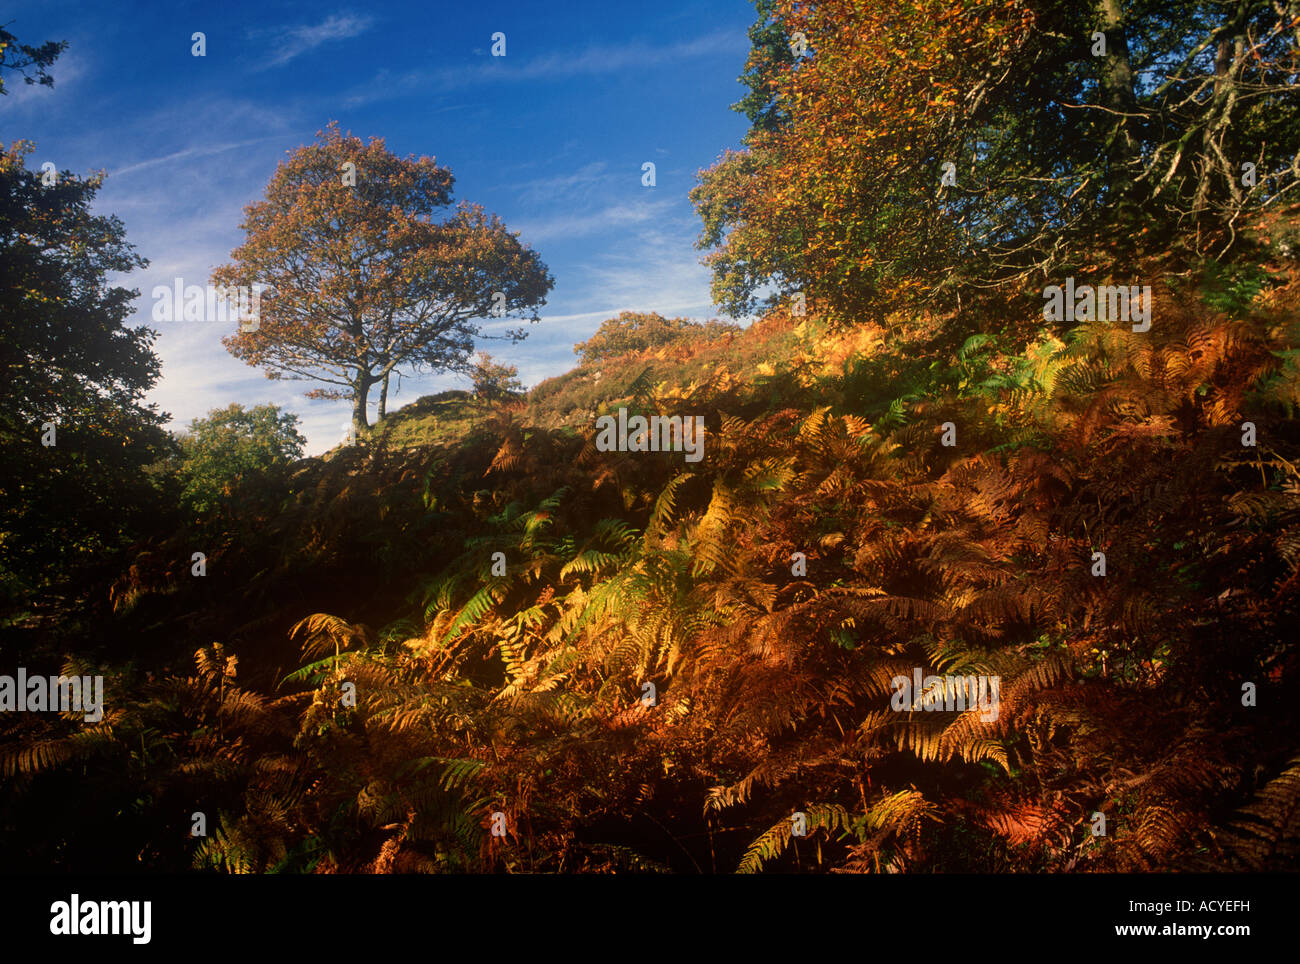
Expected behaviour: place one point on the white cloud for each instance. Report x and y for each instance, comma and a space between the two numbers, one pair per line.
188, 153
653, 270
595, 59
565, 186
609, 58
300, 40
578, 225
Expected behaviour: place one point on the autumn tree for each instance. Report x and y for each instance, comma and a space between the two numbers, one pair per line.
632, 331
773, 52
364, 279
915, 151
493, 381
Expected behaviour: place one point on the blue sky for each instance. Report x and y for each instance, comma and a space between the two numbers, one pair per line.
551, 137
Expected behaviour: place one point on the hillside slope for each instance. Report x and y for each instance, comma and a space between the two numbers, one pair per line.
448, 632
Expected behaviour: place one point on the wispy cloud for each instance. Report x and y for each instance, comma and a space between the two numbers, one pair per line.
297, 41
594, 59
189, 153
608, 58
69, 70
578, 225
580, 182
659, 270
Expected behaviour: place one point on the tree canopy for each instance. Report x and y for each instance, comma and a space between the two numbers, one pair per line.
639, 330
915, 151
235, 451
493, 381
364, 279
74, 430
21, 58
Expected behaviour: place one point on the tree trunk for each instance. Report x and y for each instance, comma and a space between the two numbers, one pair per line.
361, 394
1118, 96
383, 396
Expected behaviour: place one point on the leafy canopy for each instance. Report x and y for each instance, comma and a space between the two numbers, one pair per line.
365, 279
234, 451
67, 359
1063, 153
633, 331
20, 57
493, 381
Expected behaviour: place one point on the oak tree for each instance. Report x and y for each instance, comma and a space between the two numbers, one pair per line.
912, 151
363, 277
